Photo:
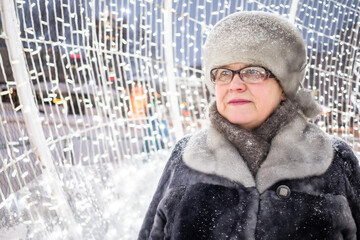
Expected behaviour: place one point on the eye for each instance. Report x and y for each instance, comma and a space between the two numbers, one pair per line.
254, 73
225, 73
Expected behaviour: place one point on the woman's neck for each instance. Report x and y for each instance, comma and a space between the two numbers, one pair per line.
253, 145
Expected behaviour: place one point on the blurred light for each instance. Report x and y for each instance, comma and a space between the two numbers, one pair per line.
58, 100
77, 56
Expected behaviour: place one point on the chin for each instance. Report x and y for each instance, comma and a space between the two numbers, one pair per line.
240, 122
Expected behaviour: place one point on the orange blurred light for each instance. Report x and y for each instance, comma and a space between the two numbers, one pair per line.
186, 113
58, 100
138, 101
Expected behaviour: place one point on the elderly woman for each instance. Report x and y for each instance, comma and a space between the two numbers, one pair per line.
260, 171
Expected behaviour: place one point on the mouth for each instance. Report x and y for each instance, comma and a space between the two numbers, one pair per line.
238, 101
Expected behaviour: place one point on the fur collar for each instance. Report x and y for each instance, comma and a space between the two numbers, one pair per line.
299, 150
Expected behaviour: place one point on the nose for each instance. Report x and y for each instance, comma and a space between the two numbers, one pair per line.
237, 84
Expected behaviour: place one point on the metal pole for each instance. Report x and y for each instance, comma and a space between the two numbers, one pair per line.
169, 58
31, 113
293, 9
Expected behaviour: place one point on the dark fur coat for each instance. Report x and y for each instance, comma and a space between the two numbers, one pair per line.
308, 187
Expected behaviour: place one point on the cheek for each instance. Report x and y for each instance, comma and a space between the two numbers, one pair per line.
268, 98
272, 99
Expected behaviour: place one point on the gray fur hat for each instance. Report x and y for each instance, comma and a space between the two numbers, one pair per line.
258, 38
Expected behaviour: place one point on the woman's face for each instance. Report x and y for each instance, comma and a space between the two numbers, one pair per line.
247, 104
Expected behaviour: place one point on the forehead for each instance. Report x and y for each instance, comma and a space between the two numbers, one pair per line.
235, 66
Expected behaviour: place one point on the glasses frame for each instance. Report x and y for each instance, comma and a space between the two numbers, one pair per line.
269, 74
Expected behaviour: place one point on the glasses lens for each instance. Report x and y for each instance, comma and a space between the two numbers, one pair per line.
253, 74
221, 75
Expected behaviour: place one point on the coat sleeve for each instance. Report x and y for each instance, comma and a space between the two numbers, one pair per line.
154, 223
352, 172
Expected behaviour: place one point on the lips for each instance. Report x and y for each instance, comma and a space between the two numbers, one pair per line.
238, 101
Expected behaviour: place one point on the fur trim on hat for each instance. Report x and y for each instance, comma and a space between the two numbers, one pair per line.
306, 102
257, 38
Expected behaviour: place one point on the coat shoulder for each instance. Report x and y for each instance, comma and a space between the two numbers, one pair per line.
344, 153
178, 149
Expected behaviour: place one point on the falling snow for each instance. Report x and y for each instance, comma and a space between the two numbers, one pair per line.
117, 208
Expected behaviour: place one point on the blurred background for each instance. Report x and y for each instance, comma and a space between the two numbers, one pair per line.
95, 93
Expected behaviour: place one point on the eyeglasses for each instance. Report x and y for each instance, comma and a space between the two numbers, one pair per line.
250, 74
